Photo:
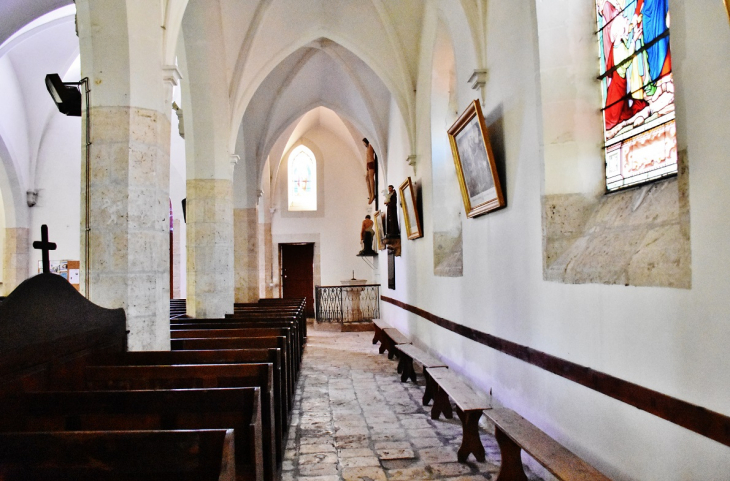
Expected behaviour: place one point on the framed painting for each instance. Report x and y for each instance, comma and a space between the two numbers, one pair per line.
410, 213
474, 161
379, 226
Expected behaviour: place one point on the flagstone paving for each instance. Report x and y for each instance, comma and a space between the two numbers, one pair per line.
353, 420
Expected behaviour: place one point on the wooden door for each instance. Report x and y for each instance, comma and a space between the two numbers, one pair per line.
297, 273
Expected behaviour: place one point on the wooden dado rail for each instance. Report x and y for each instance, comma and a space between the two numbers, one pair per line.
698, 419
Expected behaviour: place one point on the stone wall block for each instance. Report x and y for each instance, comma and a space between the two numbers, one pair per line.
663, 255
16, 257
107, 163
110, 124
109, 252
147, 126
143, 165
145, 244
210, 247
146, 215
635, 237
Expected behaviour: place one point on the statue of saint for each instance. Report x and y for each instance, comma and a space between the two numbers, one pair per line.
392, 231
370, 159
366, 238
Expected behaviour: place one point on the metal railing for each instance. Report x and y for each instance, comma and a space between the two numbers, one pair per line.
347, 303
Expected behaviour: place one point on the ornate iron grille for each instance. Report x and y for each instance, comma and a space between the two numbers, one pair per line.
347, 303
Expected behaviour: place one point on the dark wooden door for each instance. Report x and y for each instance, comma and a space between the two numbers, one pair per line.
297, 273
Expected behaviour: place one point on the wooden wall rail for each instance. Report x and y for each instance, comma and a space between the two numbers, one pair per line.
698, 419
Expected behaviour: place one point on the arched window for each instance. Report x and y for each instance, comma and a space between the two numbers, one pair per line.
302, 180
638, 91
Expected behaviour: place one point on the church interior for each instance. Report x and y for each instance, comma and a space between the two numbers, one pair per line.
554, 234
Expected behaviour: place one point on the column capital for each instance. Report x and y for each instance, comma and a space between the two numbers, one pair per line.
171, 74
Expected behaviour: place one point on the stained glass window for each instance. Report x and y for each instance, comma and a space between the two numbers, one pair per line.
302, 180
638, 91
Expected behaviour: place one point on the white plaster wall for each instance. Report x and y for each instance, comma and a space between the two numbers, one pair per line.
671, 340
13, 121
58, 181
342, 211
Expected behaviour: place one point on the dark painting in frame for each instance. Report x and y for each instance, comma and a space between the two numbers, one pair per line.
476, 169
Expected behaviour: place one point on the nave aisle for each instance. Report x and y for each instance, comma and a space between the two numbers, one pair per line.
354, 420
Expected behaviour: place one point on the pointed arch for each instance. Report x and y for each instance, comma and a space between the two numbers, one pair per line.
403, 95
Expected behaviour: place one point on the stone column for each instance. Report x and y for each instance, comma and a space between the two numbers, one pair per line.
246, 249
121, 53
16, 257
210, 247
209, 163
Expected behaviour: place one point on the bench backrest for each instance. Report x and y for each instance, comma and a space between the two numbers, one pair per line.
201, 455
227, 356
187, 376
237, 408
244, 343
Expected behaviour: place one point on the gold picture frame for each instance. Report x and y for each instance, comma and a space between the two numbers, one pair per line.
727, 7
474, 162
410, 210
379, 226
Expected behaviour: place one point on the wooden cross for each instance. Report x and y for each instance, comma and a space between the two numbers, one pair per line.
45, 246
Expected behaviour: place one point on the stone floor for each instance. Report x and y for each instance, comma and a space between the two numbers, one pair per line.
354, 420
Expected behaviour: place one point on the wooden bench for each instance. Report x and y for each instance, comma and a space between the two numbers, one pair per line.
390, 339
227, 356
410, 353
514, 433
469, 408
378, 326
200, 376
236, 408
265, 312
239, 323
291, 349
245, 343
201, 455
255, 322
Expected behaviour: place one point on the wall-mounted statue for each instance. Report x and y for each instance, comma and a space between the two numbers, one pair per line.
366, 237
392, 230
370, 164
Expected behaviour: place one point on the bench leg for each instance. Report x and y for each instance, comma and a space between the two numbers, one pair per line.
405, 367
470, 442
511, 467
376, 335
441, 404
383, 344
430, 390
392, 351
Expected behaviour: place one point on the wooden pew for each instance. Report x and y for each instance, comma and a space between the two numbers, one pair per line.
247, 331
514, 433
246, 342
227, 356
189, 376
296, 314
200, 455
236, 408
237, 323
259, 320
48, 329
469, 408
